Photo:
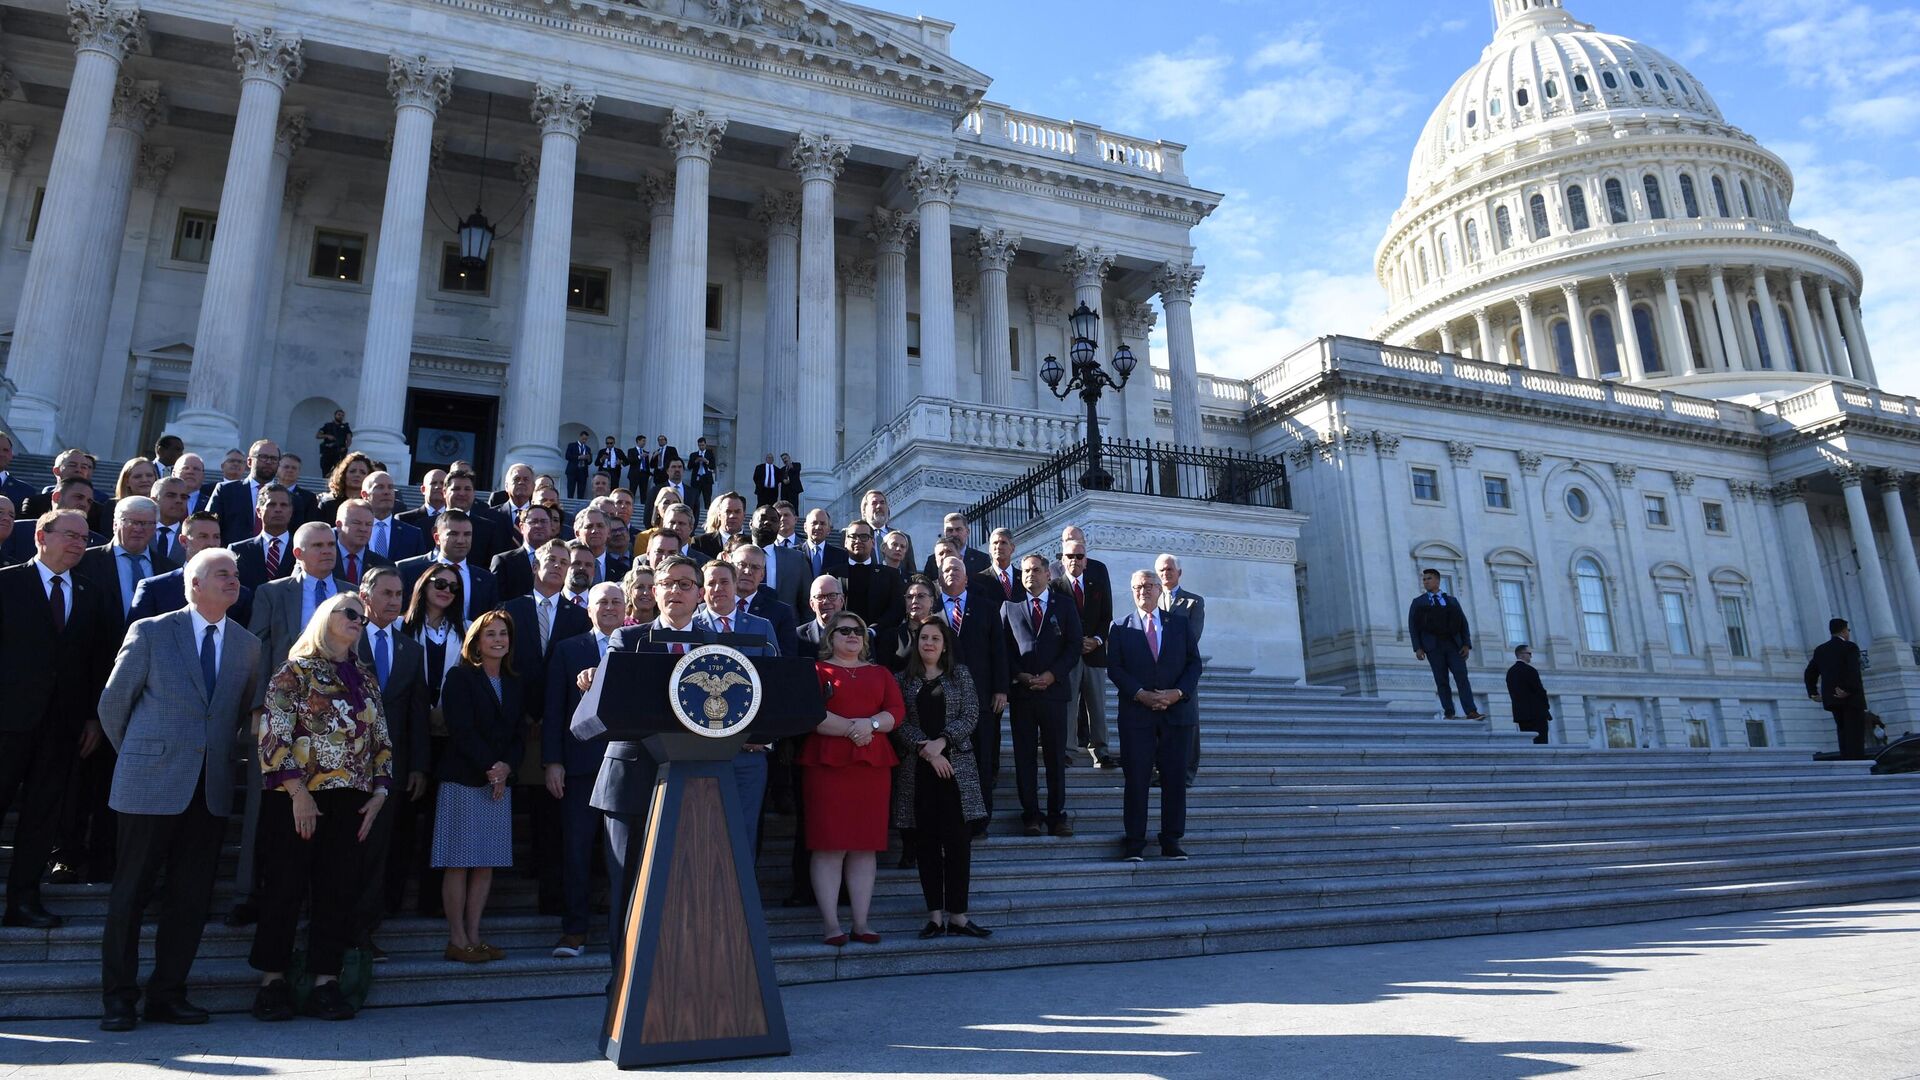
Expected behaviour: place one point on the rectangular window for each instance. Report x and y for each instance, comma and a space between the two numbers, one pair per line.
715, 305
1513, 613
1013, 346
1697, 734
913, 333
1715, 516
337, 256
1673, 608
587, 289
1657, 511
455, 278
1735, 617
193, 239
1426, 485
33, 216
1499, 496
1756, 731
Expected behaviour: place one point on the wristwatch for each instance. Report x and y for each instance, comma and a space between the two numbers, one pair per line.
876, 724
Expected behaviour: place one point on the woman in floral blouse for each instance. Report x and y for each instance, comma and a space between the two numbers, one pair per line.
328, 766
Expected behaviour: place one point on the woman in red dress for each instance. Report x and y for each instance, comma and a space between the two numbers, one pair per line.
849, 771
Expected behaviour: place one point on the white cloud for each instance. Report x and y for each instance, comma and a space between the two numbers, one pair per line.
1250, 323
1164, 86
1286, 52
1889, 116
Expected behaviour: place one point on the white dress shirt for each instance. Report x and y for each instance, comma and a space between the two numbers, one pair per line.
200, 625
46, 585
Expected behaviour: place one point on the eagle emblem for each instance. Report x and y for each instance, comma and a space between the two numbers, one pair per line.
716, 687
715, 691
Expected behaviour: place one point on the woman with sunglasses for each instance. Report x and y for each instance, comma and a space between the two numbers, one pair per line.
484, 700
936, 788
328, 765
848, 767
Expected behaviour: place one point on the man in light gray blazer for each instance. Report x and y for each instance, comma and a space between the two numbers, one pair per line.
184, 685
1194, 607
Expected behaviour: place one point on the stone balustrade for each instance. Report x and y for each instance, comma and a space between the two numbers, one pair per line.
957, 424
995, 124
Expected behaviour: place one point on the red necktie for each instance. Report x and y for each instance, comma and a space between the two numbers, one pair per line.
958, 615
1037, 616
679, 648
273, 558
726, 624
1079, 596
1006, 584
353, 567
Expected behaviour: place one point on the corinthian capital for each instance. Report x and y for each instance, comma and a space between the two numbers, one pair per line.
419, 82
15, 141
778, 212
1175, 282
994, 249
692, 133
1847, 473
292, 133
563, 109
817, 157
155, 163
933, 179
268, 55
137, 105
105, 27
656, 193
1087, 267
891, 230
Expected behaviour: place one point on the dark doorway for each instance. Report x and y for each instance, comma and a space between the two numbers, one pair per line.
443, 427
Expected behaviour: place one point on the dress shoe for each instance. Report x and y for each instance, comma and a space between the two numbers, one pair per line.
1106, 761
374, 952
1476, 716
867, 937
465, 954
1034, 828
117, 1015
177, 1010
31, 915
1132, 852
834, 940
570, 946
244, 913
63, 874
931, 930
273, 1002
1173, 851
1060, 826
968, 929
491, 952
328, 1002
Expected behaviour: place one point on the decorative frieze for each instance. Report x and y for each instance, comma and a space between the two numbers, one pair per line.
1460, 452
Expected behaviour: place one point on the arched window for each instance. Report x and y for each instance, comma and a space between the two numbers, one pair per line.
1720, 198
1607, 80
1580, 84
1423, 266
1473, 241
1660, 80
1606, 352
1793, 350
1551, 88
1446, 254
1759, 334
1616, 203
1746, 200
1502, 229
1577, 207
1696, 351
1656, 206
1596, 621
1643, 332
1563, 347
1688, 199
1638, 82
1473, 118
1537, 212
1493, 107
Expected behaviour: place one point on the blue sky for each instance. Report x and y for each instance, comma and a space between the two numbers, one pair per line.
1305, 111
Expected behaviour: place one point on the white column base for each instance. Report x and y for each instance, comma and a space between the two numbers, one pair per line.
390, 447
33, 420
542, 458
208, 433
822, 484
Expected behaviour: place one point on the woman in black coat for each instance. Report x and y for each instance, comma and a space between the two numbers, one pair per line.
484, 703
896, 646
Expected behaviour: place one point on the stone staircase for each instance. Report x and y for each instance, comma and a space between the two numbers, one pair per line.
1319, 819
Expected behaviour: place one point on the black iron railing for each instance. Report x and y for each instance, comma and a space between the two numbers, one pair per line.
1137, 468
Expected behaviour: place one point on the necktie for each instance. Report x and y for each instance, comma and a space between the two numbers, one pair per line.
319, 591
1006, 584
208, 670
1153, 638
818, 551
380, 537
1433, 600
353, 567
57, 604
954, 614
166, 541
273, 558
679, 648
741, 609
726, 624
1079, 596
137, 567
382, 658
1037, 616
580, 601
546, 621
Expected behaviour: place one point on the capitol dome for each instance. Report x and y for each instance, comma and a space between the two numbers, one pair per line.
1579, 198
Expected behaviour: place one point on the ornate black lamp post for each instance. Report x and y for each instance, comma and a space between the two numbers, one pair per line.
1090, 379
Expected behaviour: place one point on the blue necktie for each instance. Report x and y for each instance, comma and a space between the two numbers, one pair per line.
382, 662
207, 670
138, 569
818, 553
319, 591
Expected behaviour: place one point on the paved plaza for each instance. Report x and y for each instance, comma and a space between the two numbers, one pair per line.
1803, 994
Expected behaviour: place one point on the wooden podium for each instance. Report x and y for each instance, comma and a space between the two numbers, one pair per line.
695, 980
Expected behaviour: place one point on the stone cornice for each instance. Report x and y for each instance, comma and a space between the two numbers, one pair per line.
1113, 191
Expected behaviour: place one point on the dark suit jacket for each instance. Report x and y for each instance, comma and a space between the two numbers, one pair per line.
627, 771
528, 658
699, 471
708, 543
975, 560
790, 486
18, 493
18, 547
1433, 626
558, 744
983, 642
989, 580
97, 566
1054, 647
833, 560
785, 633
1193, 606
99, 519
1096, 610
485, 592
512, 573
1131, 667
1528, 693
609, 460
166, 592
405, 700
251, 555
1836, 666
233, 504
875, 593
579, 458
766, 488
420, 521
481, 728
306, 507
366, 558
657, 459
404, 541
53, 680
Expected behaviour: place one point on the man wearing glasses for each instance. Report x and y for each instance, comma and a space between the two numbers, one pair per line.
57, 636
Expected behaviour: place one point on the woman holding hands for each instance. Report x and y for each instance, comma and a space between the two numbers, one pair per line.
936, 789
484, 702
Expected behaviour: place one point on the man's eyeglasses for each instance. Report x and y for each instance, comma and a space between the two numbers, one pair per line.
1076, 558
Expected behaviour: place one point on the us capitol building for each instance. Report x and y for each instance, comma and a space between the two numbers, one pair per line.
1617, 397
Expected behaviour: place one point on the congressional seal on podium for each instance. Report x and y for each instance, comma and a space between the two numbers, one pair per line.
715, 691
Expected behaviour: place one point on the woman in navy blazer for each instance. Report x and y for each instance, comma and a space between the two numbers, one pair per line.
484, 703
1153, 659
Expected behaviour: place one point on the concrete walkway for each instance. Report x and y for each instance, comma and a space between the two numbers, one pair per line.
1806, 994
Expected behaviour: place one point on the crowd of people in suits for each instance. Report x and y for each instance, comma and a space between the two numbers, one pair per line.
382, 695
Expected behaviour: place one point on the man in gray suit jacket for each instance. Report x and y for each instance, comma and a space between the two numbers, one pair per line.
1194, 607
184, 684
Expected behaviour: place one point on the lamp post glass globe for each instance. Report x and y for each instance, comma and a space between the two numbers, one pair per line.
1123, 362
1051, 372
1085, 322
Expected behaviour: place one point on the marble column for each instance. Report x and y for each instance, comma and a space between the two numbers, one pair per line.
934, 183
136, 106
1724, 316
1483, 336
1583, 363
1893, 504
891, 231
15, 141
1175, 282
1707, 327
1743, 324
419, 87
816, 439
534, 382
1866, 547
47, 315
1803, 325
1446, 339
1536, 357
1679, 346
268, 61
1836, 349
1632, 364
1802, 556
1857, 352
119, 406
272, 269
694, 137
633, 375
656, 192
1048, 312
993, 250
779, 212
1770, 321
